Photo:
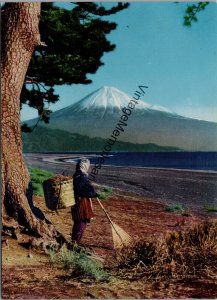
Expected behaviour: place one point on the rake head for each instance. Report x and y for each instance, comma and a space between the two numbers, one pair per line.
120, 237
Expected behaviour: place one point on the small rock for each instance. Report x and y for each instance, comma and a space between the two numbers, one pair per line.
30, 255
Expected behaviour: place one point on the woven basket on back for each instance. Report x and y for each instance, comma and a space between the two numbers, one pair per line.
58, 192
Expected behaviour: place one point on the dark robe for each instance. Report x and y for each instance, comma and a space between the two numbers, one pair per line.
83, 191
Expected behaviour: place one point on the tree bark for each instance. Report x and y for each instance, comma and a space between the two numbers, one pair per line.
20, 35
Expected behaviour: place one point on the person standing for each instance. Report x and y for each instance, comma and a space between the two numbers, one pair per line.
82, 211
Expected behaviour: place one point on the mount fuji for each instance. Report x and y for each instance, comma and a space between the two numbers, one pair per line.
97, 115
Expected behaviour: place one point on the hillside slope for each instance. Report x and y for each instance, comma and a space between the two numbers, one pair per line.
43, 139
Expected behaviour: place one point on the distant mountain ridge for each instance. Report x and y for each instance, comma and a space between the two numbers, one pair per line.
54, 140
97, 114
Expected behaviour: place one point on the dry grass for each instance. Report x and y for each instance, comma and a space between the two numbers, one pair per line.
180, 255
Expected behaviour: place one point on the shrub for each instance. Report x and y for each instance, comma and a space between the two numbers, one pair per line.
105, 193
211, 208
176, 207
180, 255
79, 264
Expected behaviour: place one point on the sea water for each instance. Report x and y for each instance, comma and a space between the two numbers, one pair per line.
176, 160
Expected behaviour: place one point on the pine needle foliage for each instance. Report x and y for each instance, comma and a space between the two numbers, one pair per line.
192, 11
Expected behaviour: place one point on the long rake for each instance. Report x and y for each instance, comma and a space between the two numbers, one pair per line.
120, 237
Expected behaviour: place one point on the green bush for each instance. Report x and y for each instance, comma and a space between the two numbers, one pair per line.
176, 207
105, 193
37, 178
211, 208
79, 263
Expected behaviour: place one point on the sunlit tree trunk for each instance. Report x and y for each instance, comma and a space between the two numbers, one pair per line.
20, 35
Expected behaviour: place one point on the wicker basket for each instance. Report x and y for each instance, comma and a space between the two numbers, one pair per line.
58, 192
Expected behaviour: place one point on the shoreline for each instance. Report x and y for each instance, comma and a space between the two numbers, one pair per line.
187, 187
57, 160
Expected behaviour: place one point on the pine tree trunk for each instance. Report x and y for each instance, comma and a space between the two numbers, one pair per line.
20, 35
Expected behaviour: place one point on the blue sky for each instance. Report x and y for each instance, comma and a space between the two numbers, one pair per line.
153, 48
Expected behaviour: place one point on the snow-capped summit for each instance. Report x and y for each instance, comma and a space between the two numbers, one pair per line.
105, 97
108, 101
110, 98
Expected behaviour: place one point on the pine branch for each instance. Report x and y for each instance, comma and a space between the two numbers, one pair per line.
97, 10
192, 11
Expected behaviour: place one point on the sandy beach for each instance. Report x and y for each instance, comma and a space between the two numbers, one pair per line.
190, 188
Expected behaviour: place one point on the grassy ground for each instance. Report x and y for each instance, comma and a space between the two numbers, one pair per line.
38, 176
